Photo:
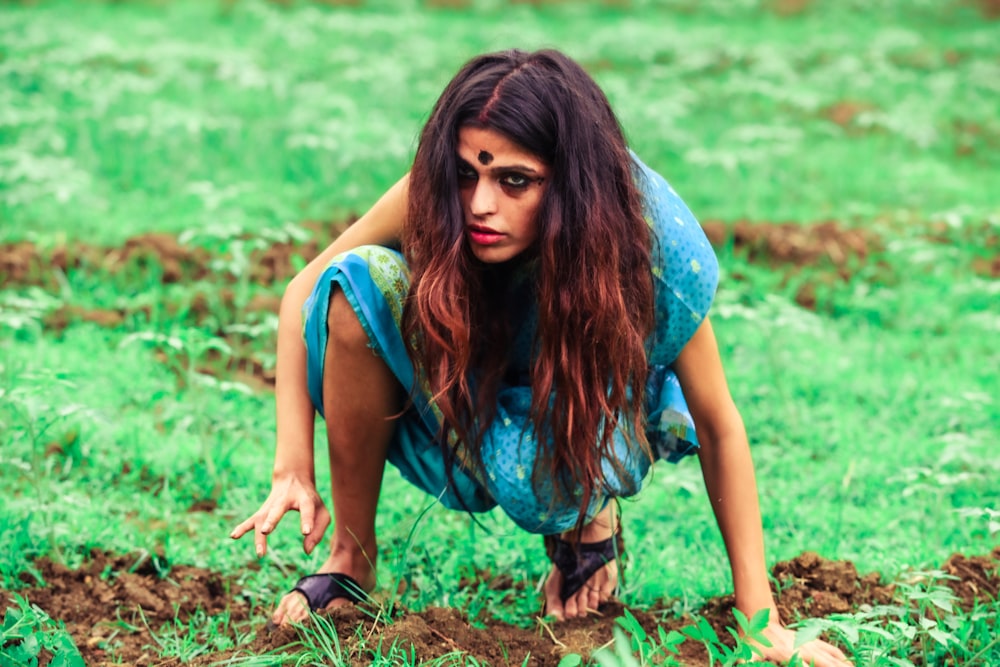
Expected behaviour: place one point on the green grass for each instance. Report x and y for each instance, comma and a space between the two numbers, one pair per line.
181, 115
873, 421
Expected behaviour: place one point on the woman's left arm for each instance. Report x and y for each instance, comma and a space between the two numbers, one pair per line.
732, 488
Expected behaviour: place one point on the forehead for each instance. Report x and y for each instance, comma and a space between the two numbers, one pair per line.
484, 146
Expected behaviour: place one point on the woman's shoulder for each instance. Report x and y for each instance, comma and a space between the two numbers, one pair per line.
685, 269
678, 239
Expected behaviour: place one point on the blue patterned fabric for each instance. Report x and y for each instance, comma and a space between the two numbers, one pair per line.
375, 281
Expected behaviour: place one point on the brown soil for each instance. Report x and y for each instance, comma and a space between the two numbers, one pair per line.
990, 8
110, 604
785, 246
832, 252
162, 256
157, 254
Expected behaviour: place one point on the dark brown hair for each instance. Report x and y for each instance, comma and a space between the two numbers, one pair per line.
591, 270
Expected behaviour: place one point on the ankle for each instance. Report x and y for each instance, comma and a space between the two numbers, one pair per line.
600, 528
354, 560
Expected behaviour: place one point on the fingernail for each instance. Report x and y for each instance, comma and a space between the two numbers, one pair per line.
266, 528
306, 529
260, 551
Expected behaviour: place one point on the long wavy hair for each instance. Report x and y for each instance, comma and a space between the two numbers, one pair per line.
590, 271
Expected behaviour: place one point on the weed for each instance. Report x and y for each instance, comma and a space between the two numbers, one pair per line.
28, 634
925, 627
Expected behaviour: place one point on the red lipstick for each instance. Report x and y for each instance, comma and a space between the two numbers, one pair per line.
484, 235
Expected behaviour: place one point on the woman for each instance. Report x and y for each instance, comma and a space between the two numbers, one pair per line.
539, 342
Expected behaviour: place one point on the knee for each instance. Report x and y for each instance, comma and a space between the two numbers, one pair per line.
343, 326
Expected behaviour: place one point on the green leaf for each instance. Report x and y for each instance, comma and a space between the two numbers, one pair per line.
741, 620
760, 620
706, 630
809, 631
69, 659
19, 656
943, 638
571, 660
671, 640
10, 619
623, 650
31, 645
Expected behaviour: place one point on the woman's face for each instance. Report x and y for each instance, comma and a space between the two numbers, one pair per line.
501, 187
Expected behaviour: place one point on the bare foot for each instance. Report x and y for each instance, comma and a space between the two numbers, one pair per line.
601, 585
294, 608
599, 588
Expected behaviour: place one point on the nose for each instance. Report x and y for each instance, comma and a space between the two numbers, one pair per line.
484, 200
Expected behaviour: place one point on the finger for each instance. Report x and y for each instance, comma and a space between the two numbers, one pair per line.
307, 512
320, 523
260, 542
824, 654
835, 655
273, 517
278, 617
242, 529
834, 651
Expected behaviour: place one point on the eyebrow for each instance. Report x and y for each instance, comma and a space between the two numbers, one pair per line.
502, 169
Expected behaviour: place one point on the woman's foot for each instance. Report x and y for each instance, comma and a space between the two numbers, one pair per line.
601, 585
294, 608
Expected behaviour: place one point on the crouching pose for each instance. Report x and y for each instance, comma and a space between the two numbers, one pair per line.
521, 321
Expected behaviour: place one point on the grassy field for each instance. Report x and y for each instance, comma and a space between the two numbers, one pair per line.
867, 380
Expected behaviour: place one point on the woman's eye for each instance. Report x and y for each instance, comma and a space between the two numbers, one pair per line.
466, 174
516, 181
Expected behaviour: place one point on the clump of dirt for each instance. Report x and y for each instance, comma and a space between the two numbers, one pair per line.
109, 605
156, 254
987, 267
976, 577
989, 8
810, 585
111, 602
795, 244
844, 113
24, 263
834, 253
163, 256
789, 7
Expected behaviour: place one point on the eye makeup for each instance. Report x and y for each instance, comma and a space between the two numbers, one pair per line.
513, 178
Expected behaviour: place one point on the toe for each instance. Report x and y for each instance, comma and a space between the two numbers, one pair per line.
293, 608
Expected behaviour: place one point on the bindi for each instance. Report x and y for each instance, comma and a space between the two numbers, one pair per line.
485, 157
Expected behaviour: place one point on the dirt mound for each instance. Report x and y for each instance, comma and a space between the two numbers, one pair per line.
162, 255
111, 604
810, 585
976, 577
157, 254
798, 245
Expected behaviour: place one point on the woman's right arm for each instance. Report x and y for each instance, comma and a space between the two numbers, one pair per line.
293, 481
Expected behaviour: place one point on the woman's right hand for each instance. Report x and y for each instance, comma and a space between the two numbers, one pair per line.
288, 493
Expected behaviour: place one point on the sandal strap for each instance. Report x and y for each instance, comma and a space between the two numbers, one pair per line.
579, 561
322, 589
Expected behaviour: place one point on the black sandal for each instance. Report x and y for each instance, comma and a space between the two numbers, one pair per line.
579, 562
320, 590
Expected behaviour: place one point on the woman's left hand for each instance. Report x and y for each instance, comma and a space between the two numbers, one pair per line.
817, 652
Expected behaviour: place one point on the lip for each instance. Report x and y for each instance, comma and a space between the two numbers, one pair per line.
481, 235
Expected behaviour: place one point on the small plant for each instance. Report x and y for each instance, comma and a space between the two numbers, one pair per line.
18, 549
634, 647
924, 628
28, 632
